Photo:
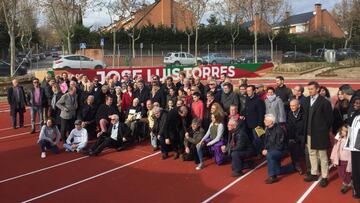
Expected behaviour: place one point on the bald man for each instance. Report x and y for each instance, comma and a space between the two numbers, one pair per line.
17, 101
296, 134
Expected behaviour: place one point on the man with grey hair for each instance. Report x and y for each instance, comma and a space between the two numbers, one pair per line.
274, 149
17, 101
68, 105
239, 147
296, 135
116, 137
160, 130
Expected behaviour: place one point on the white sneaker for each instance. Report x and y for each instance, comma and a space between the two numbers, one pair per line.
199, 167
43, 155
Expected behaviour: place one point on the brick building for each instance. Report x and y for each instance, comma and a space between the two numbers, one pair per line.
316, 22
257, 24
168, 13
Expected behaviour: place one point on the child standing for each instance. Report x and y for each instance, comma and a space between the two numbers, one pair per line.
341, 158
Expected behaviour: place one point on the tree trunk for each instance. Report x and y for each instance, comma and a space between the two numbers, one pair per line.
272, 49
189, 39
12, 53
255, 47
114, 48
133, 46
68, 38
196, 43
233, 48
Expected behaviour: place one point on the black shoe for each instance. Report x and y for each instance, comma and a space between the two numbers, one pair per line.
298, 169
176, 156
14, 127
324, 182
355, 196
164, 156
21, 126
120, 148
91, 153
311, 178
344, 189
155, 149
32, 131
237, 174
271, 180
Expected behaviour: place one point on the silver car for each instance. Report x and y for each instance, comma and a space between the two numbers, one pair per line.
218, 58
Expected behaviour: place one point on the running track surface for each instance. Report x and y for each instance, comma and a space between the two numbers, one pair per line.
139, 175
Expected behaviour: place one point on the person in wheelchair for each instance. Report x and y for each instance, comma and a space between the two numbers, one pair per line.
133, 117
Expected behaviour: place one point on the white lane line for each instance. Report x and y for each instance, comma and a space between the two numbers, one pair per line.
232, 183
40, 170
10, 128
90, 178
16, 135
310, 189
46, 168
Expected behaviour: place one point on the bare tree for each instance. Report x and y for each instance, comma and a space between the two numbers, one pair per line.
229, 11
63, 16
273, 15
26, 23
189, 23
10, 9
345, 13
198, 9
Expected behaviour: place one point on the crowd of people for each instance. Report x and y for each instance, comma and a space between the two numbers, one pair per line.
195, 120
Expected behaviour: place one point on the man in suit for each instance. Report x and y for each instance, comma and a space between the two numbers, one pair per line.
116, 136
37, 100
318, 119
142, 92
17, 101
68, 105
254, 115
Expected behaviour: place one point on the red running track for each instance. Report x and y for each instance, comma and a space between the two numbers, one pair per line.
138, 175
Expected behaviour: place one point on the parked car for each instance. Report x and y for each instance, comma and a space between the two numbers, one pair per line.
5, 69
22, 57
251, 59
217, 58
181, 58
47, 53
347, 53
35, 57
55, 55
295, 56
42, 56
77, 62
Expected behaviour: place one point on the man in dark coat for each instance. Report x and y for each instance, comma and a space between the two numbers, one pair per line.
142, 93
228, 97
296, 134
116, 137
17, 101
239, 147
254, 115
283, 92
318, 120
161, 130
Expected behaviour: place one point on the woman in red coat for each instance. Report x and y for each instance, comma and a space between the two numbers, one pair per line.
127, 99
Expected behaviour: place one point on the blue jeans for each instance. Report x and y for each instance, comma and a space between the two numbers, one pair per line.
273, 158
257, 142
68, 147
153, 139
33, 111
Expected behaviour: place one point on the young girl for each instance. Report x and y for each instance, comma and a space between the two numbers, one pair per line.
342, 159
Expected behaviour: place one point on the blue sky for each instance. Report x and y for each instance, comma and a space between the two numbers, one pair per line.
97, 19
